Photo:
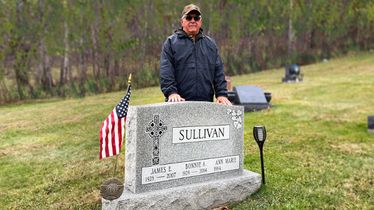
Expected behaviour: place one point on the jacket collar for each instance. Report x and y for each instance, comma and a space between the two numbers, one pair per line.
183, 34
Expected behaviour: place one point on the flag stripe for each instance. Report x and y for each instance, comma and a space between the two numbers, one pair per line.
106, 138
115, 143
118, 135
121, 131
102, 137
110, 134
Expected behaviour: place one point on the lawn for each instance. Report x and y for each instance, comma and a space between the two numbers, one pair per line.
318, 153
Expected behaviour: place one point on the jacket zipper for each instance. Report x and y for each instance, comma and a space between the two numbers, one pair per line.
195, 65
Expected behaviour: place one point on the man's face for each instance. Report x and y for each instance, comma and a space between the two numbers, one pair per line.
191, 23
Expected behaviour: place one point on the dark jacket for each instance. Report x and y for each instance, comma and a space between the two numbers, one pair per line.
194, 70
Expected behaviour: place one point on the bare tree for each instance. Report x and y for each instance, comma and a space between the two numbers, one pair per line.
20, 49
46, 79
291, 33
65, 61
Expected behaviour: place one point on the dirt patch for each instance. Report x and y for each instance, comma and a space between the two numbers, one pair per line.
20, 150
350, 148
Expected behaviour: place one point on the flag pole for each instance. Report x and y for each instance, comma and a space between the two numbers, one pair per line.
113, 188
116, 162
115, 166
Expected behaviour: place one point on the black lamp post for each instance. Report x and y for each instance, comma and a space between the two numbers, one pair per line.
259, 133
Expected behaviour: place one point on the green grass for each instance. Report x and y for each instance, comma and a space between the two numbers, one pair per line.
318, 153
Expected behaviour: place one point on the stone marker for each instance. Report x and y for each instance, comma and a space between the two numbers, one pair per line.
371, 124
251, 97
186, 155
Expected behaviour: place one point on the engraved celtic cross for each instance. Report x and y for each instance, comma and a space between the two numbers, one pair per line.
156, 129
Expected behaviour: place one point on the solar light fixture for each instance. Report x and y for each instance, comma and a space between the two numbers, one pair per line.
259, 133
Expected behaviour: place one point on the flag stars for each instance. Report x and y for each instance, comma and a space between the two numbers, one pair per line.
123, 104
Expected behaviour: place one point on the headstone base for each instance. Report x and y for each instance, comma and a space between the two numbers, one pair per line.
205, 195
293, 80
255, 107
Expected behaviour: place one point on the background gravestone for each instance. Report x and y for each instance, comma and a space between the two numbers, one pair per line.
251, 97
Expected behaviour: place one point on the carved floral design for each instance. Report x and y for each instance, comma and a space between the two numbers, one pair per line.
236, 116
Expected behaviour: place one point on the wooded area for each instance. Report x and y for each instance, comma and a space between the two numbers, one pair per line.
79, 47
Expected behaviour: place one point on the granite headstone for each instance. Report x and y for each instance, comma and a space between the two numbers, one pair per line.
186, 155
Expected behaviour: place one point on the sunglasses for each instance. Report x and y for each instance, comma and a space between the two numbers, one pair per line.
189, 17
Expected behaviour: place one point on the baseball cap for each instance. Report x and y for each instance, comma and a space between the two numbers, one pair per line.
189, 8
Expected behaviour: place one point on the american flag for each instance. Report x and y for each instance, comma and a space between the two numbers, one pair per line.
112, 129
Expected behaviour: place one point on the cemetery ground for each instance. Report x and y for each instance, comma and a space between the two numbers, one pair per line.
318, 153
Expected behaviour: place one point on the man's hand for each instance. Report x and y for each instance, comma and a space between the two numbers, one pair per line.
175, 97
223, 100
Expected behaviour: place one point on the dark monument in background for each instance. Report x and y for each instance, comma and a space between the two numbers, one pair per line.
292, 74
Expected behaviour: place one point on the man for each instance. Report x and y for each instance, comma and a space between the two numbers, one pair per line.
191, 68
